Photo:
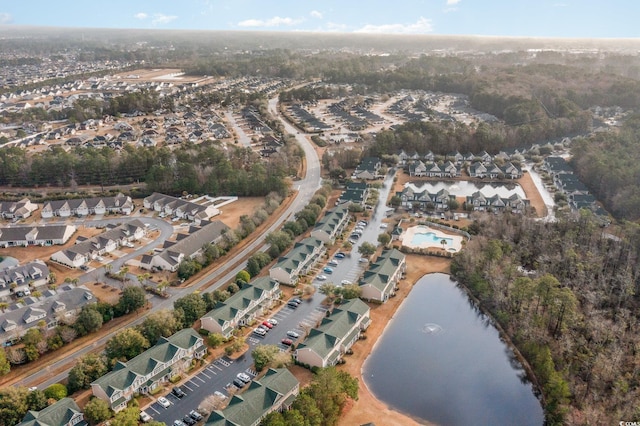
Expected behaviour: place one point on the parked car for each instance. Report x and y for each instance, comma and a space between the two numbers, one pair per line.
327, 270
178, 423
340, 255
178, 392
363, 223
144, 417
287, 342
352, 241
292, 305
333, 262
383, 226
292, 334
345, 282
260, 331
188, 420
164, 402
197, 416
273, 322
267, 324
296, 300
239, 383
363, 260
244, 377
321, 277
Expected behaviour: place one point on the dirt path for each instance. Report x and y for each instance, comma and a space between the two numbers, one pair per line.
368, 408
532, 194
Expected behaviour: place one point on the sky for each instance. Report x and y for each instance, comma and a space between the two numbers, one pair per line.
526, 18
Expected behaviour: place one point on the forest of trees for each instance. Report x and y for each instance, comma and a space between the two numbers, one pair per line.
204, 168
609, 164
574, 316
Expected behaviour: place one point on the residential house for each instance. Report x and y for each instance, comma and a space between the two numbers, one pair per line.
495, 203
368, 168
511, 172
171, 356
326, 344
120, 204
21, 277
17, 209
275, 391
86, 249
186, 246
297, 261
425, 200
23, 236
331, 225
379, 281
176, 207
455, 157
64, 412
248, 303
54, 307
419, 169
355, 192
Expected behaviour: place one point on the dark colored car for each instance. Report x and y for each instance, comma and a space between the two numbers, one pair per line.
287, 342
178, 392
195, 415
239, 383
188, 420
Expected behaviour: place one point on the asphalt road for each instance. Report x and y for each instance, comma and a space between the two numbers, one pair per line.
305, 187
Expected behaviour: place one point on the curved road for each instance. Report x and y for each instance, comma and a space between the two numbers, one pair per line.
306, 187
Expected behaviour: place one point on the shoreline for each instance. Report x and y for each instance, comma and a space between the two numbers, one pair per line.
368, 408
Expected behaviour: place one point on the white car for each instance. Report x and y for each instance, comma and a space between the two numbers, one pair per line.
144, 417
273, 322
292, 334
164, 402
345, 282
321, 277
363, 260
244, 377
260, 331
383, 226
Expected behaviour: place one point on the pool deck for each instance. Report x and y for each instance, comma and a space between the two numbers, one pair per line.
408, 235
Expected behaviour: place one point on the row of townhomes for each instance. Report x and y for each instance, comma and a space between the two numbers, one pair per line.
169, 357
369, 168
481, 203
326, 344
298, 261
248, 303
447, 169
19, 278
120, 204
425, 200
275, 391
354, 192
331, 225
86, 249
53, 307
493, 171
62, 413
17, 209
23, 236
577, 193
380, 280
182, 209
459, 159
186, 246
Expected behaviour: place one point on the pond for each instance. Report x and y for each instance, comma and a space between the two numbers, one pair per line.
441, 360
465, 188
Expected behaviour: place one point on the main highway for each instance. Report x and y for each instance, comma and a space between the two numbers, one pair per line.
305, 187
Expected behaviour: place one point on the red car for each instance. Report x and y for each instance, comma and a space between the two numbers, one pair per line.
287, 342
267, 324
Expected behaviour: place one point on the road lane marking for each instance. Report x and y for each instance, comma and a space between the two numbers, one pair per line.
204, 374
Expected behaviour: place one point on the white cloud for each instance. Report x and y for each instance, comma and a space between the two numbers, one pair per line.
452, 2
141, 15
316, 14
422, 25
276, 21
159, 18
6, 18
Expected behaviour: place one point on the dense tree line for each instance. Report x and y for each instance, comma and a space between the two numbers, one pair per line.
573, 314
204, 168
609, 164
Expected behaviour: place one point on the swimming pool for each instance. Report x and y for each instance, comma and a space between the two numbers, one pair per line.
420, 238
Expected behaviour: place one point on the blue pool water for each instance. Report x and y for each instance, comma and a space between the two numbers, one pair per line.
429, 237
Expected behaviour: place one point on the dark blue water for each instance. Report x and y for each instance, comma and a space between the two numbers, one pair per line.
441, 360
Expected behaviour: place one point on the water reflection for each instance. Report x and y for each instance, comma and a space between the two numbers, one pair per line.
441, 360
